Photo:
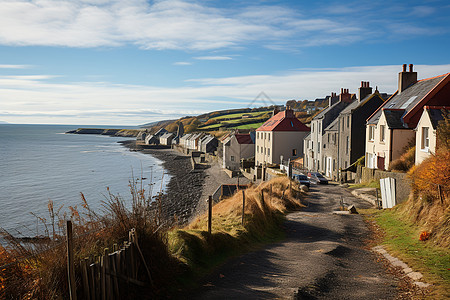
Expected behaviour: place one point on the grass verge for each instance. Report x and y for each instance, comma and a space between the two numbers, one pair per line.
265, 206
401, 238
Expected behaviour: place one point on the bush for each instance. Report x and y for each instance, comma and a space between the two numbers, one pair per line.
405, 162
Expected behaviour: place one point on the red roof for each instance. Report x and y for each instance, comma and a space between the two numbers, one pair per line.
284, 121
243, 138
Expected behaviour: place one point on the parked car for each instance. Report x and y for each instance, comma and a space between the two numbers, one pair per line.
302, 179
316, 177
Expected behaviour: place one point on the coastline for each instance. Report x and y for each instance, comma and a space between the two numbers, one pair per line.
185, 187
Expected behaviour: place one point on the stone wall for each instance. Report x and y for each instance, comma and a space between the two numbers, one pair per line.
402, 182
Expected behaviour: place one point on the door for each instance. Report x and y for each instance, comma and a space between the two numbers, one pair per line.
328, 167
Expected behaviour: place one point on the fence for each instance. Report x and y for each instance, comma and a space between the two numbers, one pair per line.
110, 275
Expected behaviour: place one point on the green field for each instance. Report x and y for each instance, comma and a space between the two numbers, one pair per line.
239, 115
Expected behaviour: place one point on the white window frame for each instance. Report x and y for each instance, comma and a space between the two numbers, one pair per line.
425, 138
382, 133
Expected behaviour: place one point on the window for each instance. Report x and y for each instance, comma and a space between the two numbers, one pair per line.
232, 158
294, 152
268, 151
257, 135
265, 135
318, 146
334, 165
257, 149
425, 138
264, 151
348, 121
313, 127
343, 121
328, 138
319, 127
347, 147
382, 132
268, 136
371, 132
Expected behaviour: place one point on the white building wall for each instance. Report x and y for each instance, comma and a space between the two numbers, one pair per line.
423, 152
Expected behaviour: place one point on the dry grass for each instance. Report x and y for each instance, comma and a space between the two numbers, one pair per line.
38, 269
263, 215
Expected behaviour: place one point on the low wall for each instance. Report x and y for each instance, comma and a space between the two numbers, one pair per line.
402, 182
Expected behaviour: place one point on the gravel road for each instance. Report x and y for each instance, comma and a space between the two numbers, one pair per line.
323, 257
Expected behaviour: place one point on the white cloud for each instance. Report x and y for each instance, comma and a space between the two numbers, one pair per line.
164, 24
32, 99
14, 66
213, 58
182, 63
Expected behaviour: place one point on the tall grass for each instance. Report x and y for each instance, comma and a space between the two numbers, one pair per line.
37, 269
265, 206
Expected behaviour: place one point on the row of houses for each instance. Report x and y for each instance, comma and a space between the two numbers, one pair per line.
368, 124
377, 126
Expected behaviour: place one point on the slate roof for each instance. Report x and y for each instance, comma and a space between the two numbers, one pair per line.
409, 98
357, 104
436, 115
167, 135
333, 125
394, 118
281, 122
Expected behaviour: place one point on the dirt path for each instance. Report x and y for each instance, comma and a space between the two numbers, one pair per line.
321, 258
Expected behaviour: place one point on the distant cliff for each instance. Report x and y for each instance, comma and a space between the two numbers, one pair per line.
110, 132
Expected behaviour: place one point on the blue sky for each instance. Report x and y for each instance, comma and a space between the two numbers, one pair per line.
129, 62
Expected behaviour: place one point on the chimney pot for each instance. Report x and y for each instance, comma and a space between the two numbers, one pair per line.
411, 67
404, 67
362, 83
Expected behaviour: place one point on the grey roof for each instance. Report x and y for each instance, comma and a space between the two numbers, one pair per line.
408, 98
167, 135
308, 137
436, 115
394, 118
333, 125
208, 139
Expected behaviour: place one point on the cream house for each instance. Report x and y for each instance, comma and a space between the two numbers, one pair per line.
236, 147
391, 128
280, 136
426, 131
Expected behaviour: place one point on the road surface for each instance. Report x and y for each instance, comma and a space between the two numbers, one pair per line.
322, 257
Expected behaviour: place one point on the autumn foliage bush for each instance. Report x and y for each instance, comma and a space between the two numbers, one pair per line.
428, 205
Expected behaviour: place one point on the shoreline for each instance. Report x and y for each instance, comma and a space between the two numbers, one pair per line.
185, 187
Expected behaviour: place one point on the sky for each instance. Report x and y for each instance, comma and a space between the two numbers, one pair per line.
130, 62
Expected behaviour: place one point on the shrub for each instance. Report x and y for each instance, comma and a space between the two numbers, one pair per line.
405, 162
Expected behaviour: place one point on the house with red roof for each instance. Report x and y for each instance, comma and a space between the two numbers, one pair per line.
237, 146
280, 137
391, 127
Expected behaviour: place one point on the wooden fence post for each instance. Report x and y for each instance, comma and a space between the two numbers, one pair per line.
243, 206
84, 273
70, 265
209, 214
440, 194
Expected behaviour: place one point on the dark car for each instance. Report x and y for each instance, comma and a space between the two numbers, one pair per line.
316, 177
302, 179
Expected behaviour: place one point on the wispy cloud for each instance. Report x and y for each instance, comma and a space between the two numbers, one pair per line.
213, 58
34, 99
14, 66
182, 63
164, 24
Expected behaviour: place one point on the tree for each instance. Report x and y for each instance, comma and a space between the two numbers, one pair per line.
443, 132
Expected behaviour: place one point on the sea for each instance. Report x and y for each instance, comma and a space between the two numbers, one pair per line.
39, 163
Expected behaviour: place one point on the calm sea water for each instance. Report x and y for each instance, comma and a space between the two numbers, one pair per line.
40, 162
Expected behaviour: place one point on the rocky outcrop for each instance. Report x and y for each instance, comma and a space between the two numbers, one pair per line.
110, 132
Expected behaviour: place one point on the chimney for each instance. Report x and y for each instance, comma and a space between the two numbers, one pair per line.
345, 96
275, 111
289, 113
405, 79
364, 91
332, 99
